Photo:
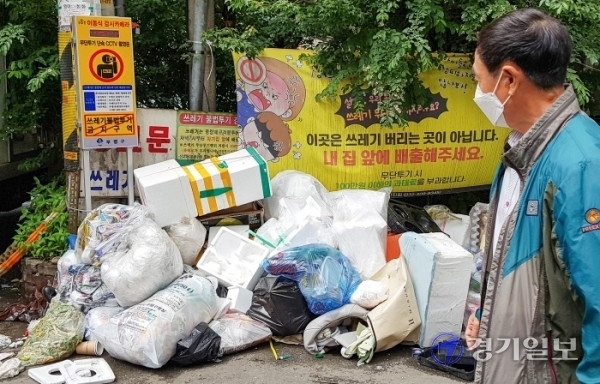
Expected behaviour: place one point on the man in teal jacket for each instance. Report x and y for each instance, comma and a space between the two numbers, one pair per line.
539, 321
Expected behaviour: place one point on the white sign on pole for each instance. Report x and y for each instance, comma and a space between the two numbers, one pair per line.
157, 128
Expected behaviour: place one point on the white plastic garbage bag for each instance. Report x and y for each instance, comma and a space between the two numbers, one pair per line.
147, 334
149, 262
370, 294
189, 236
360, 223
296, 187
98, 316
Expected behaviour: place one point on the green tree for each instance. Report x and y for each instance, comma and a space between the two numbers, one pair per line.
384, 44
28, 39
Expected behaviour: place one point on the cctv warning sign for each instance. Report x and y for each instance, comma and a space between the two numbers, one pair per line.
105, 77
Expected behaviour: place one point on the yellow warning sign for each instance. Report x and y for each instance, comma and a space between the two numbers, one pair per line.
105, 80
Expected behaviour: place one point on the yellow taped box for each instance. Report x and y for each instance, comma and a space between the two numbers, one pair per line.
173, 192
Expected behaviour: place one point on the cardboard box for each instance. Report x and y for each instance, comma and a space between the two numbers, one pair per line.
440, 271
241, 299
233, 259
251, 214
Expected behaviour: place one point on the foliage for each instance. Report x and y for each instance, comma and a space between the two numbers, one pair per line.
45, 199
28, 39
386, 44
160, 52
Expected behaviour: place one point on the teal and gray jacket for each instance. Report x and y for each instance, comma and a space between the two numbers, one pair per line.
540, 314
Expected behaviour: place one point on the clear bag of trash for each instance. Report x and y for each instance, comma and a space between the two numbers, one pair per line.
55, 337
325, 276
98, 316
104, 229
147, 333
189, 236
149, 262
239, 332
81, 285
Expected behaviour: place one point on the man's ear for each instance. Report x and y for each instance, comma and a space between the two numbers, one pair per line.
287, 114
514, 75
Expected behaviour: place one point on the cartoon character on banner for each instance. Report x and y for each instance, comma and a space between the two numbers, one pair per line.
272, 89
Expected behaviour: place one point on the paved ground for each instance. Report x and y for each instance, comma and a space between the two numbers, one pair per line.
258, 366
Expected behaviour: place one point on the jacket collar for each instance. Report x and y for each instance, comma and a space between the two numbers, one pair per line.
526, 152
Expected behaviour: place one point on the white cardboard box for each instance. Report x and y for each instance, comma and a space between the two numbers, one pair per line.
165, 189
241, 299
233, 259
440, 270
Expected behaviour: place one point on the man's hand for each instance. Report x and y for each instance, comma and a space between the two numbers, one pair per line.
472, 332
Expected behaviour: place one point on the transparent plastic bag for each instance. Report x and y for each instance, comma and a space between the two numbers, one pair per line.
189, 236
147, 334
148, 263
55, 337
239, 332
325, 276
295, 187
98, 316
105, 228
81, 284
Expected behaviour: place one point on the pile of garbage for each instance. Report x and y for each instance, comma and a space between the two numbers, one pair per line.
349, 270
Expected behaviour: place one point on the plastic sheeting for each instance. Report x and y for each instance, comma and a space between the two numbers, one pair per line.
239, 332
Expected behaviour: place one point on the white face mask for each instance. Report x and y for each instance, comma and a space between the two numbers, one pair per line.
491, 106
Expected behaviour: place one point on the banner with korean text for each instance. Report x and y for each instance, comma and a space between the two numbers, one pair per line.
448, 145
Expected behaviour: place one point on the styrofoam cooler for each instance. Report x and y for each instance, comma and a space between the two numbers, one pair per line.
233, 259
440, 270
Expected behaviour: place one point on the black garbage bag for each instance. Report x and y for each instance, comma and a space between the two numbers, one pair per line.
453, 358
403, 217
200, 347
279, 304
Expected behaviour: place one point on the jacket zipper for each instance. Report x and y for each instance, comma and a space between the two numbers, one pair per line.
504, 240
550, 358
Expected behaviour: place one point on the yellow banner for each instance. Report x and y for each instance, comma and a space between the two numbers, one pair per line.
448, 144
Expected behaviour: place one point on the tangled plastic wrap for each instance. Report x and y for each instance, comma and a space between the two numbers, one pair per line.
55, 337
325, 276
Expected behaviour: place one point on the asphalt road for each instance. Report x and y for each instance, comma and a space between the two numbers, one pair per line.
257, 365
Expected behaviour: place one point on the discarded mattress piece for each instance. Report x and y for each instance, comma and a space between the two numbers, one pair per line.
440, 270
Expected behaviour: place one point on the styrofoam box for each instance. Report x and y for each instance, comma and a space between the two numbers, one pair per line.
457, 229
240, 229
241, 299
233, 259
165, 189
246, 177
440, 270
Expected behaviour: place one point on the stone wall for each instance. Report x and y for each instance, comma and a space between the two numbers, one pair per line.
37, 274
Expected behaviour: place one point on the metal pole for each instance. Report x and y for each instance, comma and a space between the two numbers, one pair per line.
130, 186
120, 8
87, 181
197, 80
